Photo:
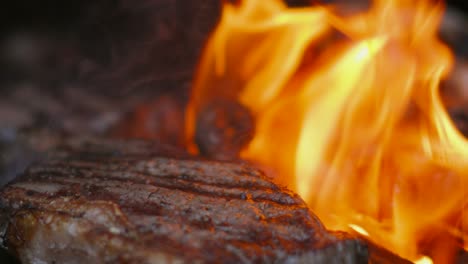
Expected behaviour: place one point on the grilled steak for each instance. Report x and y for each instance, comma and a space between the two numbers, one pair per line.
135, 202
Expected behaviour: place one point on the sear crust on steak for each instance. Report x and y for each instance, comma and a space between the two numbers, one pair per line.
101, 201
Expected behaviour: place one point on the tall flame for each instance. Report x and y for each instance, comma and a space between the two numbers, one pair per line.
348, 114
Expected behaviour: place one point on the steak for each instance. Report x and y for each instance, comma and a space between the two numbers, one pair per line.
102, 201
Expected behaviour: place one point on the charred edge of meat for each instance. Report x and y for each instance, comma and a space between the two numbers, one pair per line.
379, 255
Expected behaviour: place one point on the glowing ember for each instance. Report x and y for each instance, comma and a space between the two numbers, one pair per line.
359, 229
354, 124
423, 260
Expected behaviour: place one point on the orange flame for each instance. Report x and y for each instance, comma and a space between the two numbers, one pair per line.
348, 114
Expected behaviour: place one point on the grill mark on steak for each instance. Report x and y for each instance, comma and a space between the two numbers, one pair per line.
245, 182
243, 234
176, 183
113, 190
183, 168
134, 207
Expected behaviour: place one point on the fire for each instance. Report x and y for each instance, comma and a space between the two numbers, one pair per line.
348, 114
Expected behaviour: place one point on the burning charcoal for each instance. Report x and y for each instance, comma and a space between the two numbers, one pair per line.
223, 128
137, 202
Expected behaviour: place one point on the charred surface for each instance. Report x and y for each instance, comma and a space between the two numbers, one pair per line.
108, 201
223, 129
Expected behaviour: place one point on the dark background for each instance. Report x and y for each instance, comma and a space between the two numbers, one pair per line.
461, 4
63, 14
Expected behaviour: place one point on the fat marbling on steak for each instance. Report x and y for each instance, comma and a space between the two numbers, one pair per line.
101, 201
